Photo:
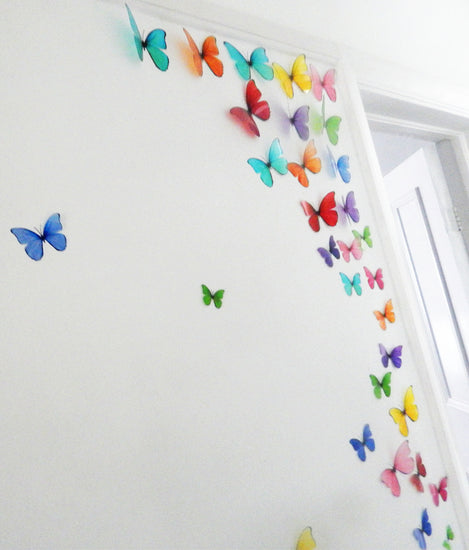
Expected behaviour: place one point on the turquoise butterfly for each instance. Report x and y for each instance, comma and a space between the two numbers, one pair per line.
276, 161
350, 285
257, 61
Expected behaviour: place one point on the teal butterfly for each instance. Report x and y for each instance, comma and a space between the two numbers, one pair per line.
384, 385
365, 237
153, 43
353, 284
258, 61
207, 297
319, 123
276, 161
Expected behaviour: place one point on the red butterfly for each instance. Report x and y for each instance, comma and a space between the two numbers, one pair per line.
255, 107
326, 211
421, 472
440, 491
376, 278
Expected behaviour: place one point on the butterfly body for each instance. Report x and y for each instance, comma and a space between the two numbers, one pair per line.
367, 442
410, 410
328, 254
386, 315
403, 463
276, 161
384, 385
34, 241
257, 61
310, 162
255, 107
394, 356
425, 529
209, 54
208, 296
299, 75
326, 211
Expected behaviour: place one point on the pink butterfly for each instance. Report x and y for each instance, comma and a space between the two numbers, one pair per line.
440, 491
376, 278
421, 472
326, 84
355, 249
403, 463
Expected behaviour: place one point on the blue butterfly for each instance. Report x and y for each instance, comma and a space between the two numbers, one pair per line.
349, 285
425, 529
276, 161
257, 61
153, 43
33, 241
368, 443
341, 165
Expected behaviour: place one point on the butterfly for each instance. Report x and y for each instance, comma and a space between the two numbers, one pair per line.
299, 75
310, 161
354, 250
403, 463
208, 54
410, 410
376, 278
365, 237
384, 385
387, 315
258, 61
324, 84
440, 491
34, 241
276, 161
153, 43
306, 540
208, 296
300, 120
394, 356
326, 211
425, 529
331, 125
449, 536
255, 107
327, 254
367, 443
348, 209
340, 166
421, 472
351, 284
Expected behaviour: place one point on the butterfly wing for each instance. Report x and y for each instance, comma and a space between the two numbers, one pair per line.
241, 64
196, 57
386, 384
384, 355
400, 419
380, 318
217, 298
261, 168
310, 161
154, 43
206, 295
435, 494
426, 525
299, 74
343, 167
395, 357
418, 536
284, 79
298, 171
300, 121
389, 478
371, 284
332, 125
356, 284
345, 251
306, 540
258, 108
210, 55
333, 248
327, 209
347, 284
34, 247
359, 448
137, 36
417, 482
403, 462
316, 83
376, 386
351, 208
389, 312
244, 118
276, 158
259, 62
368, 440
410, 407
328, 83
443, 488
52, 233
421, 470
326, 256
313, 215
379, 278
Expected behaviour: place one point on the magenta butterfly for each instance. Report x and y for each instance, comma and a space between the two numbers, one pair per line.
354, 250
439, 491
376, 278
403, 463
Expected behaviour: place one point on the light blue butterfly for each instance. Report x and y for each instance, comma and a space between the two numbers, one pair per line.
257, 61
341, 165
34, 241
276, 161
349, 285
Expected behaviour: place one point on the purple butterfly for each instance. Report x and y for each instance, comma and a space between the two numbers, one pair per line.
348, 208
394, 356
300, 121
327, 254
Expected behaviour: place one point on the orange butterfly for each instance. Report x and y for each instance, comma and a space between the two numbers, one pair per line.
310, 161
387, 315
209, 55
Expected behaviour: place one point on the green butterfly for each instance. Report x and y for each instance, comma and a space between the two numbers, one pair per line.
207, 297
365, 237
449, 536
384, 385
332, 124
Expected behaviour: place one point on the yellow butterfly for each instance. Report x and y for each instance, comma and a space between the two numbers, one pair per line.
410, 410
306, 540
299, 75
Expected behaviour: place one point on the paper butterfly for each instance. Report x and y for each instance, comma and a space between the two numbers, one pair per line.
449, 536
299, 75
306, 540
300, 120
376, 278
403, 463
258, 61
34, 241
319, 123
310, 162
354, 250
394, 356
207, 297
440, 491
325, 84
425, 529
326, 212
387, 315
348, 209
327, 254
153, 43
208, 54
340, 166
367, 443
276, 161
255, 108
421, 472
384, 385
410, 410
365, 237
353, 284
